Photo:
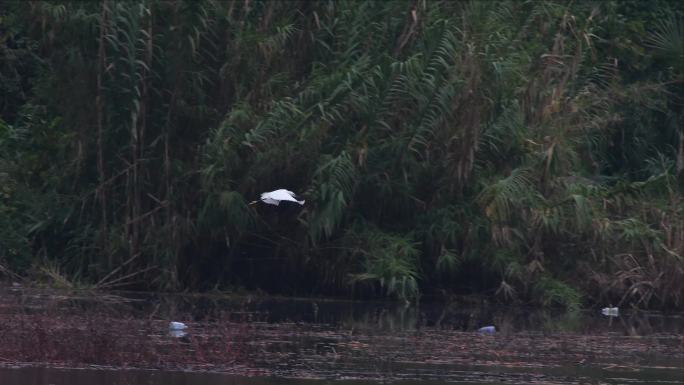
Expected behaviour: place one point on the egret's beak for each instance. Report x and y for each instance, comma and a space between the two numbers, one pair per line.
253, 202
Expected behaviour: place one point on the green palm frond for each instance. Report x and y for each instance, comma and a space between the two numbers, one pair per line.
334, 192
501, 198
391, 261
668, 39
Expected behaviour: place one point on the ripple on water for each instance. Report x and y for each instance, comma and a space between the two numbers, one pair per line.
122, 338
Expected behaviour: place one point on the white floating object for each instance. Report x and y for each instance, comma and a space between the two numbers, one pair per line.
487, 330
610, 311
177, 325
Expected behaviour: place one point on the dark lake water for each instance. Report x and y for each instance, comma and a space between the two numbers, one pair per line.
78, 338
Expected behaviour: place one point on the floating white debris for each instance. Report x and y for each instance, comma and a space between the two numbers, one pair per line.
487, 330
177, 325
610, 311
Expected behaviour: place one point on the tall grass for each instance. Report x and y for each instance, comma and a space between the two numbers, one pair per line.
537, 145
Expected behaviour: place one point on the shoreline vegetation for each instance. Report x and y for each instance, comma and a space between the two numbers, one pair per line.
528, 151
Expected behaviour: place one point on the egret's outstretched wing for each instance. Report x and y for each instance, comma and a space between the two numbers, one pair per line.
269, 198
275, 197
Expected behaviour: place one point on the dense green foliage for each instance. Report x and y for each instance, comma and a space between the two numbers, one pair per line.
530, 150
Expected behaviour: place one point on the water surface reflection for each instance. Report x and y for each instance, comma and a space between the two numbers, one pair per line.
262, 340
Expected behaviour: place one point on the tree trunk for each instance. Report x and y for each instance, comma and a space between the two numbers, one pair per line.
680, 159
99, 106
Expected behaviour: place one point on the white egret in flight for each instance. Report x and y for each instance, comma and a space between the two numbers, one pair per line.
275, 197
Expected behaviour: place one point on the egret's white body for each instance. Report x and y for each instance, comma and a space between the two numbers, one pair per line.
275, 197
177, 325
610, 311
